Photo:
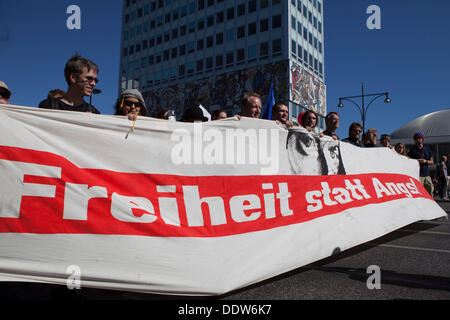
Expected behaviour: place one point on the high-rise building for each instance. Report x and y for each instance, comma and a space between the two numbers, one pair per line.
182, 52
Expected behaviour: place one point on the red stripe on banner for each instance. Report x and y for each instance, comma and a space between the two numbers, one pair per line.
47, 194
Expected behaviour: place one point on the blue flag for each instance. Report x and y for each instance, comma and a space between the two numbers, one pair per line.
267, 114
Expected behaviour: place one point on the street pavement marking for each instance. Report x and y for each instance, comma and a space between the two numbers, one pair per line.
407, 247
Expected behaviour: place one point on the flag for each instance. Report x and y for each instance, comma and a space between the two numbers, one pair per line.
269, 104
205, 112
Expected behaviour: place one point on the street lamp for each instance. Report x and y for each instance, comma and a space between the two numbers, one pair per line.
95, 91
363, 109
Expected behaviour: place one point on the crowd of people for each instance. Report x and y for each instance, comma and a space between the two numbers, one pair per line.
81, 77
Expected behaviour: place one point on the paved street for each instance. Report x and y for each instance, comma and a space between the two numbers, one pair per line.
414, 263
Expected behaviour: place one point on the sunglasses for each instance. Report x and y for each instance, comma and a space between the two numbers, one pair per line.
89, 79
5, 94
129, 103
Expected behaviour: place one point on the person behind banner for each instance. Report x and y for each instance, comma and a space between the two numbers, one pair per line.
385, 141
56, 94
280, 113
219, 114
194, 114
130, 104
81, 77
401, 149
309, 120
374, 135
251, 105
5, 93
442, 176
368, 139
332, 124
424, 156
354, 133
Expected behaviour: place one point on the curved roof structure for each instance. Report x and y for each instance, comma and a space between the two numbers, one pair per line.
434, 126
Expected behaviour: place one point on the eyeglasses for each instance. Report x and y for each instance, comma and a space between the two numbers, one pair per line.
129, 104
90, 79
5, 94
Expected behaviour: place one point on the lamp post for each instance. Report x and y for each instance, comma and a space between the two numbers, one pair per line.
363, 108
95, 91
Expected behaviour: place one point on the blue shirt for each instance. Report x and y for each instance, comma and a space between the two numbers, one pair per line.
424, 153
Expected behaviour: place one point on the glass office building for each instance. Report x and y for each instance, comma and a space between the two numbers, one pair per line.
183, 52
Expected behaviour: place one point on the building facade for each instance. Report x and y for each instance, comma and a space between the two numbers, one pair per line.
183, 52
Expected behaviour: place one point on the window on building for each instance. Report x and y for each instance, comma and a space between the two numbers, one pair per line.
276, 46
182, 50
294, 47
219, 17
240, 55
209, 63
251, 53
200, 24
181, 70
229, 35
175, 14
240, 32
263, 25
174, 52
251, 6
229, 58
230, 13
183, 30
263, 4
166, 55
210, 21
299, 52
190, 67
241, 9
219, 38
219, 61
192, 7
199, 65
201, 4
263, 49
293, 23
190, 47
209, 41
200, 44
276, 21
191, 28
252, 28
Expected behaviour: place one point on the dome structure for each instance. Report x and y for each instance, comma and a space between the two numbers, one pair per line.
434, 126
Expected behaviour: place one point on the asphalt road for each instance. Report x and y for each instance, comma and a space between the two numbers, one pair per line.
414, 264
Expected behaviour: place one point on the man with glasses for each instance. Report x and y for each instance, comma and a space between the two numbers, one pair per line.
332, 122
354, 134
81, 77
5, 93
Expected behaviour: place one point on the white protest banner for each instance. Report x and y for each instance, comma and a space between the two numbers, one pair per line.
184, 208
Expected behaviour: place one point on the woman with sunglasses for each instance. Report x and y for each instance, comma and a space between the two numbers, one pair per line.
131, 104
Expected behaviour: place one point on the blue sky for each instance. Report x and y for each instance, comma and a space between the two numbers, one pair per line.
409, 57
